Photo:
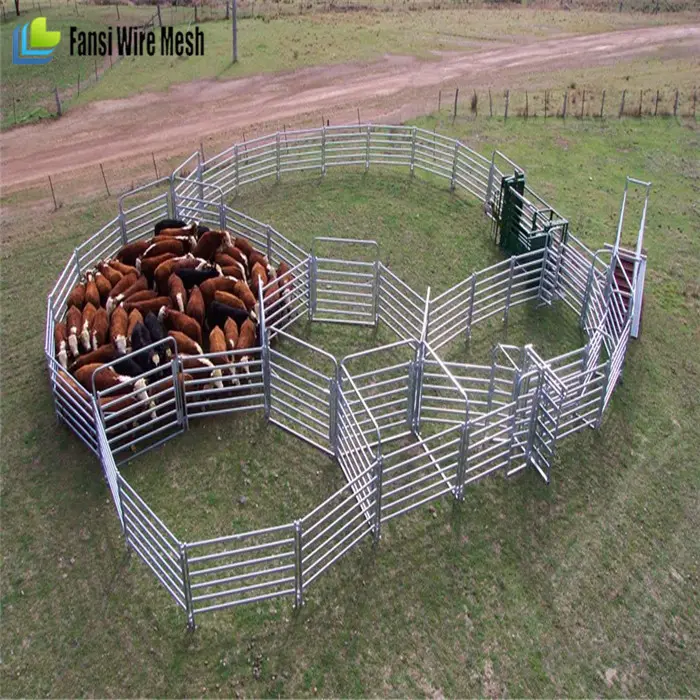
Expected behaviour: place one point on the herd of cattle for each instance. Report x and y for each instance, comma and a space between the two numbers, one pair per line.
194, 285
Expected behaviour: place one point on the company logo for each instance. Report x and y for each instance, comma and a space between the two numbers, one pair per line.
33, 44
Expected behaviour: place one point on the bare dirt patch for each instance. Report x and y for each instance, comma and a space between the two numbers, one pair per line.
395, 88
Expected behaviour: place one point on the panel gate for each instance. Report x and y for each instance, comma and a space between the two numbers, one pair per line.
545, 422
301, 397
342, 290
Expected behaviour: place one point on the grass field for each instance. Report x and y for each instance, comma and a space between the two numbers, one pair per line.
587, 587
280, 43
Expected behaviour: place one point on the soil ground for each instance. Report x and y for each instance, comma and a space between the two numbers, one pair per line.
394, 88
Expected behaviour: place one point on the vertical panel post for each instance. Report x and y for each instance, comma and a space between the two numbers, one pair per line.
587, 296
470, 310
235, 166
541, 297
488, 206
186, 588
367, 149
454, 167
413, 149
508, 293
462, 461
323, 150
298, 564
375, 291
277, 156
378, 474
604, 391
268, 243
200, 174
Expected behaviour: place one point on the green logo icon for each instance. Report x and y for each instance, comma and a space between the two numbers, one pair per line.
41, 37
33, 43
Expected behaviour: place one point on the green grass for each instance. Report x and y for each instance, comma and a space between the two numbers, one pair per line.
586, 587
267, 45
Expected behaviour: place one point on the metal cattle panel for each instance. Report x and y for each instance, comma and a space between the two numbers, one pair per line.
545, 423
145, 411
345, 291
301, 398
243, 568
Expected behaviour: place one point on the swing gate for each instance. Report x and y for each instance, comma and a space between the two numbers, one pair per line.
345, 290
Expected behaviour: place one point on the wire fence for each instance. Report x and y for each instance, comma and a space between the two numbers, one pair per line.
404, 426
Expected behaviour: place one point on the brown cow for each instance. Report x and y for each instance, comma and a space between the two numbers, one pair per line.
108, 378
214, 284
210, 242
104, 287
122, 285
121, 267
177, 292
89, 312
195, 305
217, 343
233, 271
77, 296
258, 273
167, 244
148, 305
105, 353
143, 295
237, 254
60, 339
185, 344
247, 339
231, 333
148, 266
243, 244
177, 321
113, 276
119, 323
135, 317
92, 293
74, 322
131, 251
230, 300
100, 328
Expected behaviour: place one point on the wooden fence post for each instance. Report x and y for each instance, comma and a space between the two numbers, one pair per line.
53, 194
59, 111
527, 105
566, 100
583, 103
641, 93
656, 104
695, 101
439, 100
602, 105
546, 98
622, 103
675, 104
118, 17
160, 19
505, 113
490, 104
454, 114
102, 170
155, 167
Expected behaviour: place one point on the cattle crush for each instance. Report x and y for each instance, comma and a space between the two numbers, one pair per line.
410, 429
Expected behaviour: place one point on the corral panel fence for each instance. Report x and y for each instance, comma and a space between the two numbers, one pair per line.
345, 290
405, 427
243, 568
301, 398
154, 543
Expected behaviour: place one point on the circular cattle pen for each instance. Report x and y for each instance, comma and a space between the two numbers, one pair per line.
404, 422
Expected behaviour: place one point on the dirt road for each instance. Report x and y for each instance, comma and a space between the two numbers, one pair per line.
392, 88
